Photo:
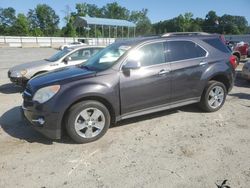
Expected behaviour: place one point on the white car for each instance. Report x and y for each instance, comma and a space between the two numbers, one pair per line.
21, 74
73, 44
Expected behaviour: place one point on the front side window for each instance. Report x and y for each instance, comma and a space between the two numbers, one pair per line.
181, 50
59, 55
107, 57
82, 54
150, 54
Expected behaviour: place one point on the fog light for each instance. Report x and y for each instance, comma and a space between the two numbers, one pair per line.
40, 120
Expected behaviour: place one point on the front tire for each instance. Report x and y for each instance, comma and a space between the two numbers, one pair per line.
87, 121
213, 97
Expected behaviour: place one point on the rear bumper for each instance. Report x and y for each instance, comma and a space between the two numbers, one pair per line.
50, 128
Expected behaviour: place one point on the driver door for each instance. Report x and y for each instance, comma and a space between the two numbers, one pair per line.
150, 85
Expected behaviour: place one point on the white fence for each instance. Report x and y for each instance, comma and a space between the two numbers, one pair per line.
54, 42
245, 38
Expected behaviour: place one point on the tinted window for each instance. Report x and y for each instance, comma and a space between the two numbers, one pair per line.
180, 50
149, 54
217, 43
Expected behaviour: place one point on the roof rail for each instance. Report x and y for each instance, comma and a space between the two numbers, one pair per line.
184, 34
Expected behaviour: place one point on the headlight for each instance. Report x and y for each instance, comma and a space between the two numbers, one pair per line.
23, 72
46, 93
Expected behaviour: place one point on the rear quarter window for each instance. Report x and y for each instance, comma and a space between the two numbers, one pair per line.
217, 43
181, 50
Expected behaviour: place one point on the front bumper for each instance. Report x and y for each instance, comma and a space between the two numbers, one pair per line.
17, 80
50, 127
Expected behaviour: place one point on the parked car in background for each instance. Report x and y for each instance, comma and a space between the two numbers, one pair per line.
20, 74
73, 44
239, 49
127, 79
246, 71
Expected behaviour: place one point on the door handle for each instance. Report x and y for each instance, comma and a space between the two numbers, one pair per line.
203, 63
163, 71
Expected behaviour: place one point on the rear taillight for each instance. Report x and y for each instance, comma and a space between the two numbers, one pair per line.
233, 61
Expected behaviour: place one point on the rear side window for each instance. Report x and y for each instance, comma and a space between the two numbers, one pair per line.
181, 50
217, 43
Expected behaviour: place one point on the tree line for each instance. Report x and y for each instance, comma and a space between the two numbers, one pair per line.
43, 21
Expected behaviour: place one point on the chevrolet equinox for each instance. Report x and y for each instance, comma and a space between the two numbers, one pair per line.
130, 78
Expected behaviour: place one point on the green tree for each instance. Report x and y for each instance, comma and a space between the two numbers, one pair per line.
209, 24
47, 19
115, 11
7, 16
21, 26
233, 24
33, 23
143, 23
43, 20
7, 19
69, 30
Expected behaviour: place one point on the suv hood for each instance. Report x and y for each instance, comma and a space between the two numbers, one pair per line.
60, 76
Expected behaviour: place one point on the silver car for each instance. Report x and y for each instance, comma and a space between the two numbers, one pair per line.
20, 74
246, 71
73, 44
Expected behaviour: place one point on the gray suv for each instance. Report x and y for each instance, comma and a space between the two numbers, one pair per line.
127, 79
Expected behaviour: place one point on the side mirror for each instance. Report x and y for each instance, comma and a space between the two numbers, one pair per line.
66, 59
131, 64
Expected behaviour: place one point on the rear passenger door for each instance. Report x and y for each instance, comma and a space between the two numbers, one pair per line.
187, 61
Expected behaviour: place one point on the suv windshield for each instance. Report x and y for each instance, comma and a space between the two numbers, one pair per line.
59, 55
106, 57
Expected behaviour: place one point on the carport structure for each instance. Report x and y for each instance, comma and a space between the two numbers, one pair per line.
87, 22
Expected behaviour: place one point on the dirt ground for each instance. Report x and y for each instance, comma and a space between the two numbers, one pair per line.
176, 148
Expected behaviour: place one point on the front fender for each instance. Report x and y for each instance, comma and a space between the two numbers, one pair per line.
74, 93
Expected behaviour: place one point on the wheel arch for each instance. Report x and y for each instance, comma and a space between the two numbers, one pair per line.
102, 100
39, 72
221, 78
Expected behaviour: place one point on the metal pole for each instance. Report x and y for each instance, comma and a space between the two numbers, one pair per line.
122, 31
51, 42
128, 32
95, 31
134, 31
88, 30
116, 31
102, 32
109, 31
21, 41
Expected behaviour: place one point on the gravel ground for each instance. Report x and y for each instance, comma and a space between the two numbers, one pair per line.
177, 148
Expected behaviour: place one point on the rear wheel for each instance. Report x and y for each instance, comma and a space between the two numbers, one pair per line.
213, 97
87, 121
